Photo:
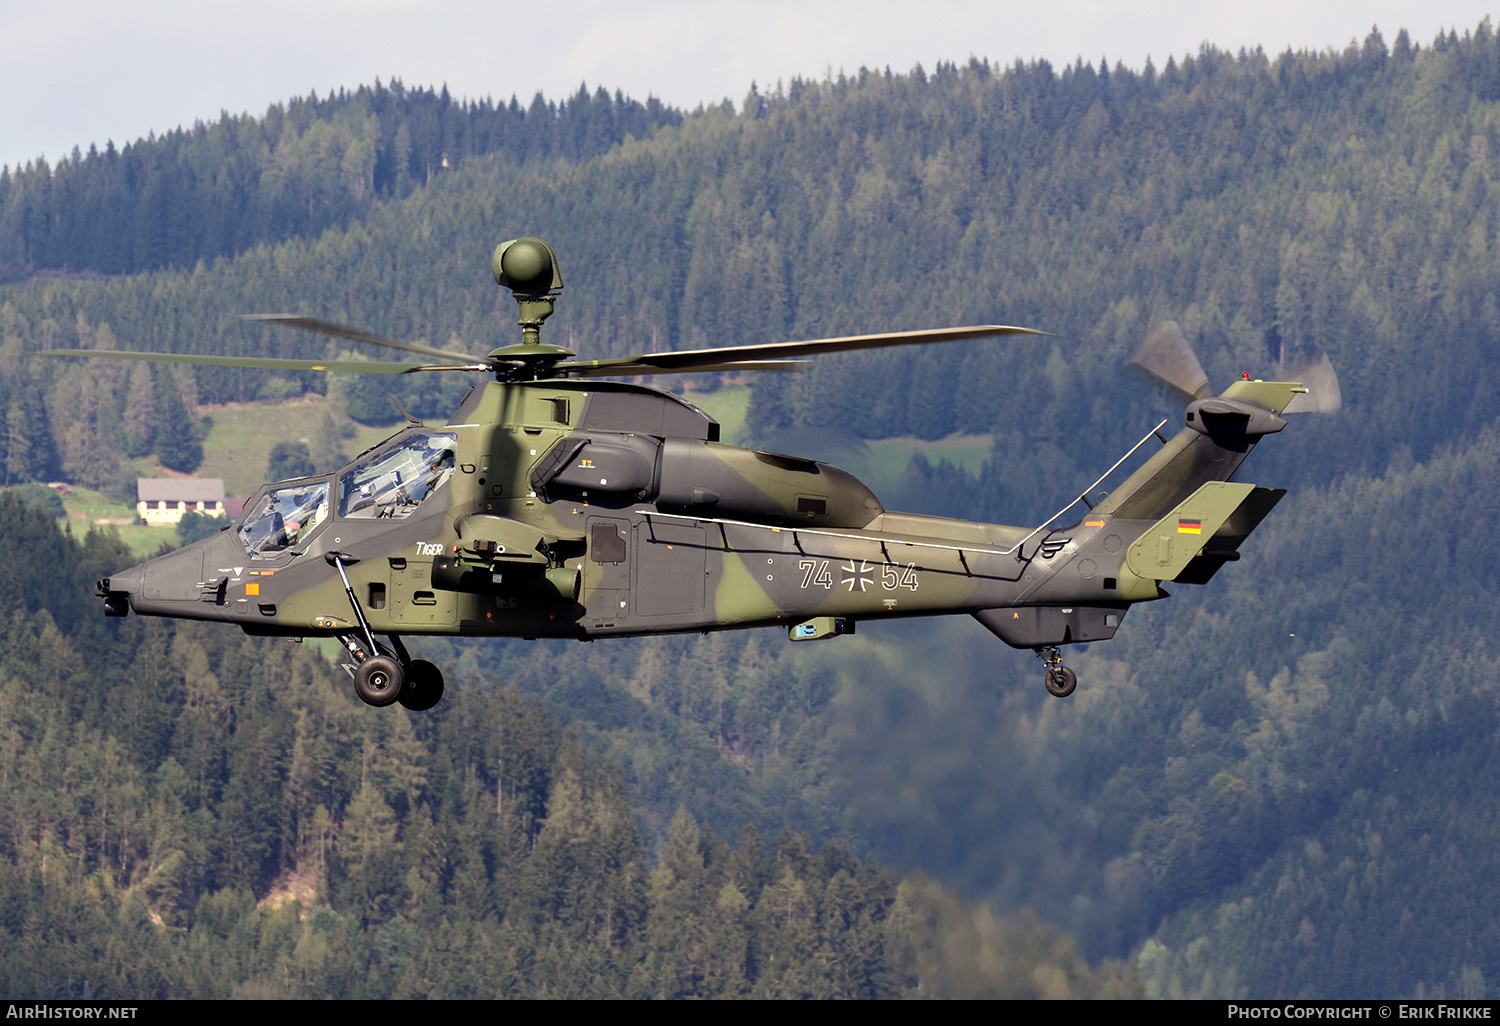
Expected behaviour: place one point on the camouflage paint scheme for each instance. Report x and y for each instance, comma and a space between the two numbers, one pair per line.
587, 509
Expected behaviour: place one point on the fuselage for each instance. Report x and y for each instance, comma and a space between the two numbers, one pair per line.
592, 509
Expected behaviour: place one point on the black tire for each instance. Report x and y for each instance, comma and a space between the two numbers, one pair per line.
424, 686
379, 680
1061, 682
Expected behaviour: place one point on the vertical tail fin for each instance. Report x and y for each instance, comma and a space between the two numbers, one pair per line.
1219, 433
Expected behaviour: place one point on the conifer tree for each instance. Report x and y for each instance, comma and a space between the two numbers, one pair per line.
177, 443
138, 430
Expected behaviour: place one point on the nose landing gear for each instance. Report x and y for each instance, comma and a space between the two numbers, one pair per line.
1060, 680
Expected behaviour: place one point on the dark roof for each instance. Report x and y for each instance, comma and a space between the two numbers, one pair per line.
180, 489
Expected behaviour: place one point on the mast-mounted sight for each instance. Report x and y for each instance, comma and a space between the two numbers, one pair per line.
528, 267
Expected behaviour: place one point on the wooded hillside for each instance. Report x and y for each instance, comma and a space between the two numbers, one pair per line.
1273, 785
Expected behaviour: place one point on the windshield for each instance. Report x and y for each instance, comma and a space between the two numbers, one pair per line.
282, 518
393, 480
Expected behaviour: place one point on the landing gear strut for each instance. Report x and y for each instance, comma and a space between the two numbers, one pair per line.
1060, 680
382, 676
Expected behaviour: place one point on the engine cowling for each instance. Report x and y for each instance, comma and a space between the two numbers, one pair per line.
706, 478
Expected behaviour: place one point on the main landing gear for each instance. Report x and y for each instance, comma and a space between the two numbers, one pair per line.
1060, 680
379, 680
384, 675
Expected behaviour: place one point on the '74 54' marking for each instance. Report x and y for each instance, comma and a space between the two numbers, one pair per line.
857, 576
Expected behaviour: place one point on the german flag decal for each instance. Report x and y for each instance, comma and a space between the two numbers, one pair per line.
1189, 525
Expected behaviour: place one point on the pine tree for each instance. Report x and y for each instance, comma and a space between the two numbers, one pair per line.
289, 460
177, 443
139, 427
29, 453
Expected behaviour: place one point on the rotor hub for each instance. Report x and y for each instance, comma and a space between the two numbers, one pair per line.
527, 361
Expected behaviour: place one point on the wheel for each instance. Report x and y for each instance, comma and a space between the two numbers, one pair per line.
379, 680
1060, 682
424, 686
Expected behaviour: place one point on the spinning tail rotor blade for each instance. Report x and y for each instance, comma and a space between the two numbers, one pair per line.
1167, 357
1322, 383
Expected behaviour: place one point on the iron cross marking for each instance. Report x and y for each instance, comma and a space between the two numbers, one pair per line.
861, 577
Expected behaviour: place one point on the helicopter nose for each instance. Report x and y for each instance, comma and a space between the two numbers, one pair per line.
169, 585
118, 589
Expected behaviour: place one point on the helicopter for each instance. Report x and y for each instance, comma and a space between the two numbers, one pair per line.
558, 504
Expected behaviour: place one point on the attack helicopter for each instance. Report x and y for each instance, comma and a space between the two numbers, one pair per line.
557, 504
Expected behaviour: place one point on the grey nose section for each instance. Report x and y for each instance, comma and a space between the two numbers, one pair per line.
175, 577
118, 589
158, 586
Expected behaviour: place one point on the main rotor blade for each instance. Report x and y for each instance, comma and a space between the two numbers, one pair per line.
322, 327
629, 370
342, 366
1167, 357
1323, 394
740, 357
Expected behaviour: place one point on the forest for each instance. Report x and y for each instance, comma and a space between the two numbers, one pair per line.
1275, 785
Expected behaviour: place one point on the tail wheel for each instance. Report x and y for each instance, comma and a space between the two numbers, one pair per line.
424, 686
379, 680
1061, 681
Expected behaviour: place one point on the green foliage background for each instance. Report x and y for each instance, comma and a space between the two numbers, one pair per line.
1275, 785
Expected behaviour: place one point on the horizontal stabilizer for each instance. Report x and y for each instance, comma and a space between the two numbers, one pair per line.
1224, 546
1174, 541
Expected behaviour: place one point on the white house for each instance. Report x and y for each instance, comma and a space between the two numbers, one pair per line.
163, 500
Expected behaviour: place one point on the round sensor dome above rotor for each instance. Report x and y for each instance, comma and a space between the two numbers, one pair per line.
526, 266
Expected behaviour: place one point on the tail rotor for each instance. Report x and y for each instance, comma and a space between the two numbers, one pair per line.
1166, 356
1322, 383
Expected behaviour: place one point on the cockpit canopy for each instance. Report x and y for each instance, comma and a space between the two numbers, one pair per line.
393, 480
282, 517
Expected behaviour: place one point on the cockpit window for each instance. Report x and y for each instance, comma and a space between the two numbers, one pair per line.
283, 517
393, 481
